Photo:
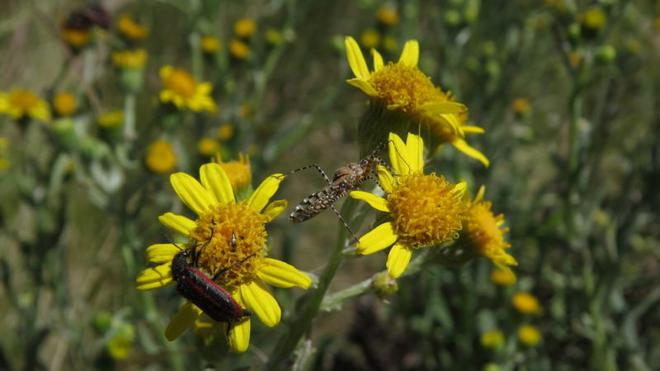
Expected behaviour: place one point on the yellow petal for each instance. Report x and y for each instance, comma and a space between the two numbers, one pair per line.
398, 260
374, 201
378, 59
385, 179
177, 223
447, 107
376, 239
480, 194
155, 277
260, 301
162, 252
356, 59
363, 85
462, 146
182, 321
397, 149
264, 192
278, 273
165, 72
415, 145
472, 129
274, 209
410, 53
239, 336
196, 197
215, 179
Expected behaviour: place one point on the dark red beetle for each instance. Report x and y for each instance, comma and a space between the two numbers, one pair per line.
204, 292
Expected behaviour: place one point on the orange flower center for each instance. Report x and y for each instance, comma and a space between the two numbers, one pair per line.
181, 83
23, 100
427, 210
405, 88
482, 229
231, 238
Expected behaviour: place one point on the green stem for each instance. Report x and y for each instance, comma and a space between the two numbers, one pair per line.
130, 133
312, 302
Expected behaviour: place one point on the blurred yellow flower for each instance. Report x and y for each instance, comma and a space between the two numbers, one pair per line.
521, 106
274, 36
388, 16
160, 157
210, 44
245, 27
245, 110
425, 210
231, 232
208, 146
526, 303
74, 37
111, 119
21, 103
503, 277
226, 131
529, 335
593, 19
370, 38
64, 104
390, 44
239, 172
484, 233
181, 89
401, 87
492, 339
130, 29
130, 58
120, 343
239, 50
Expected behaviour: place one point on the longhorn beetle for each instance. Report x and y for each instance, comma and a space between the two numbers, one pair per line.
204, 292
346, 178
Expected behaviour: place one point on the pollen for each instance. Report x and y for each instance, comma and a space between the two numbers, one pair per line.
231, 238
427, 210
181, 82
405, 88
483, 230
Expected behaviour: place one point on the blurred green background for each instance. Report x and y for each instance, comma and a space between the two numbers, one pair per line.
566, 90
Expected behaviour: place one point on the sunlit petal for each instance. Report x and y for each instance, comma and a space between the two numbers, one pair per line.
356, 58
410, 53
398, 259
464, 147
239, 336
278, 273
162, 253
193, 194
374, 201
259, 199
182, 321
215, 179
178, 223
377, 239
261, 302
155, 277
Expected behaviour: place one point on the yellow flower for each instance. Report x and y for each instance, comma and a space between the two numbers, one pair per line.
239, 172
370, 38
526, 303
64, 104
181, 89
503, 277
221, 219
74, 37
245, 27
593, 19
406, 91
120, 343
239, 50
210, 44
225, 131
130, 58
208, 146
388, 16
111, 119
521, 106
425, 210
483, 232
130, 29
160, 157
245, 110
492, 339
21, 103
274, 36
529, 335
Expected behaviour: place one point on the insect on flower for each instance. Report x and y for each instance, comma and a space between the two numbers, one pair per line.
345, 179
204, 292
87, 17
